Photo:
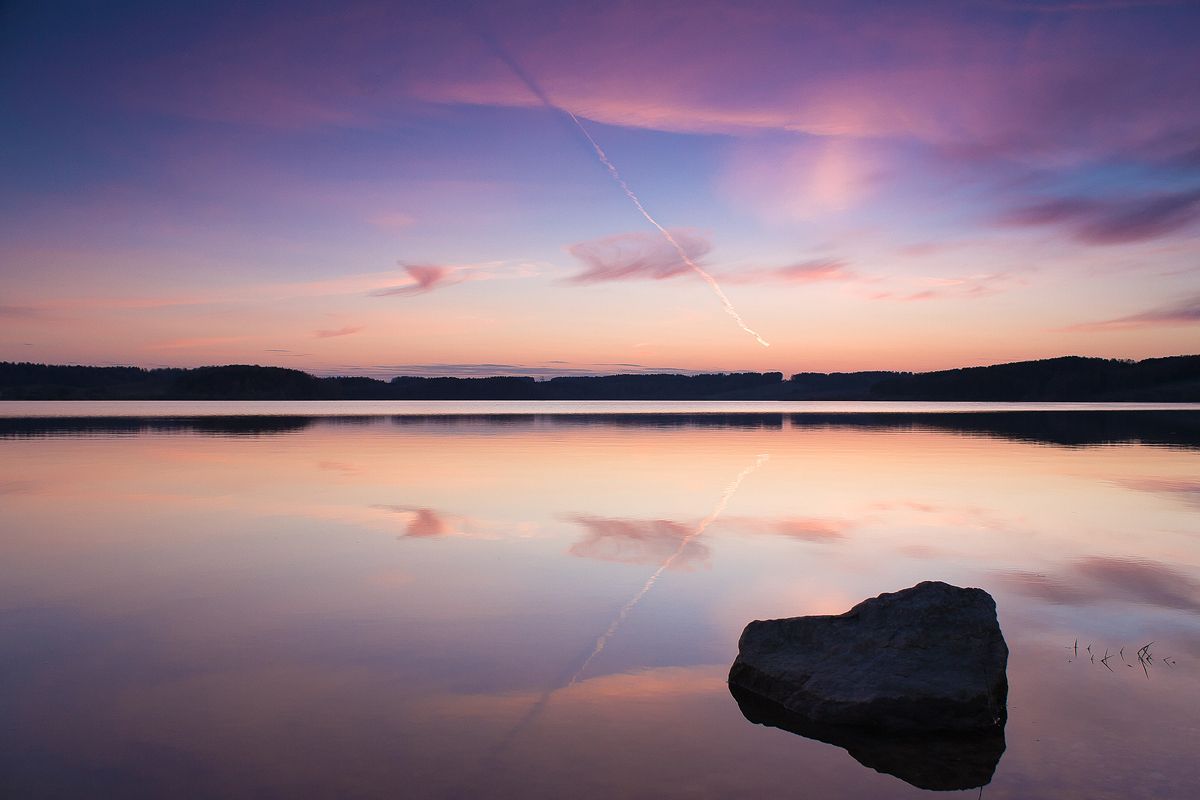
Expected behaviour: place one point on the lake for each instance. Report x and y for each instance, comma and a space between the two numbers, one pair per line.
454, 600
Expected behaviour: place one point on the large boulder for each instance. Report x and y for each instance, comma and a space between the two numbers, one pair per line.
923, 660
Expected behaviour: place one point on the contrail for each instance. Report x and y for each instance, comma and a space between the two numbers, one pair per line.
532, 85
726, 496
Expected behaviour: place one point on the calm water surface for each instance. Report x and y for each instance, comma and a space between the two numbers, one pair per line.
430, 600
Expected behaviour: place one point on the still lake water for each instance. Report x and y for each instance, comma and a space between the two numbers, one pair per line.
490, 600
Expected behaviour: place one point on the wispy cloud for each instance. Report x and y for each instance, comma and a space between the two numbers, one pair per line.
1069, 6
637, 255
422, 278
330, 334
642, 256
802, 272
941, 288
1112, 221
1183, 312
20, 312
392, 220
188, 343
634, 256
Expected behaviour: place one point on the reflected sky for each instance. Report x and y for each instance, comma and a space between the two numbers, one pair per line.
360, 609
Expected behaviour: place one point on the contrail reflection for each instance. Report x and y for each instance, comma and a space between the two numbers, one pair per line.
683, 543
540, 704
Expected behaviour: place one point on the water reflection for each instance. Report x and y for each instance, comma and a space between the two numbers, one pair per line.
936, 762
188, 611
21, 427
1068, 428
1105, 580
426, 523
1184, 490
639, 542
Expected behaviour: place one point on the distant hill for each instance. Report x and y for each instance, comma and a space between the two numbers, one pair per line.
1072, 378
1174, 379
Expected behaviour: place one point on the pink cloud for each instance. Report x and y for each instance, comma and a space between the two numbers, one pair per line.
188, 343
941, 288
330, 334
391, 221
1031, 82
802, 272
637, 255
645, 255
1113, 221
1182, 312
20, 312
424, 278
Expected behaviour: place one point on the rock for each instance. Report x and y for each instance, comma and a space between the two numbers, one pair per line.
942, 762
926, 659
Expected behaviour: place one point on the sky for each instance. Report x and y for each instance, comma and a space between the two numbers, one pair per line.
542, 188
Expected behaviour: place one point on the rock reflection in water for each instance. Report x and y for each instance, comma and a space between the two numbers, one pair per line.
945, 762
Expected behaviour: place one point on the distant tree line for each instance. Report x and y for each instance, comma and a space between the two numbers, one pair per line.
26, 381
1173, 379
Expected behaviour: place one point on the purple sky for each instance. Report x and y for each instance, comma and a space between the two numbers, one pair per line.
379, 188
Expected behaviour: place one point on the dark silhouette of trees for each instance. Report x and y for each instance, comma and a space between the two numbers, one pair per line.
1060, 379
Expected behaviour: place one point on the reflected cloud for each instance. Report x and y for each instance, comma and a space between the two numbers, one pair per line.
426, 523
343, 467
1185, 491
1101, 579
812, 529
819, 530
945, 515
629, 541
650, 541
